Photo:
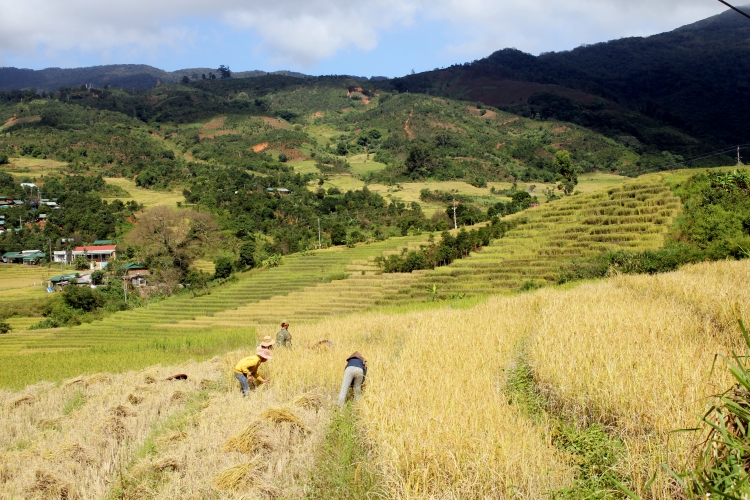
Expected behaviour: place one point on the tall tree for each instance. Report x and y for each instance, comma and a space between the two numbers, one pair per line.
225, 72
567, 170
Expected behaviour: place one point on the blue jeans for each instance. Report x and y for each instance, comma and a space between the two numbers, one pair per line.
243, 383
353, 375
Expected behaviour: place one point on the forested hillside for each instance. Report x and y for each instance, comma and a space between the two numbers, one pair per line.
644, 92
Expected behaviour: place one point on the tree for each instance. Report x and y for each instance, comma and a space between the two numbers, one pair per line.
225, 72
420, 163
338, 234
247, 254
185, 79
567, 170
223, 268
3, 158
283, 158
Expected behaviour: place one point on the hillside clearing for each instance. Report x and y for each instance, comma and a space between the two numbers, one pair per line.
147, 197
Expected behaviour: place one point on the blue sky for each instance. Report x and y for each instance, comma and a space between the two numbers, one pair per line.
378, 37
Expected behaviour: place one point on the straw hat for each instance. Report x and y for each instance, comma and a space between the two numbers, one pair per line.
267, 341
264, 353
284, 322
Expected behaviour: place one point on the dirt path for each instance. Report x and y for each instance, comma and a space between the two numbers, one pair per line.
407, 128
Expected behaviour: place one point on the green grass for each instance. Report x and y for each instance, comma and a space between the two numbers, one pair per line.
116, 355
342, 470
594, 452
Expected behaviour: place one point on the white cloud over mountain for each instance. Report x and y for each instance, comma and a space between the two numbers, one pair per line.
303, 32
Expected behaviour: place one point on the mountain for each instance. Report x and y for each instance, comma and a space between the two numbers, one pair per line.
126, 76
695, 79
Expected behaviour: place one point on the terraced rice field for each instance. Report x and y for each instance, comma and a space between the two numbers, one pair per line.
166, 322
635, 216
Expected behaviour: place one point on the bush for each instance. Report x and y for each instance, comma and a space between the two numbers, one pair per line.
81, 263
5, 327
223, 267
82, 298
338, 234
97, 277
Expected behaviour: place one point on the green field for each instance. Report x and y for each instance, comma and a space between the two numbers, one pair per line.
146, 197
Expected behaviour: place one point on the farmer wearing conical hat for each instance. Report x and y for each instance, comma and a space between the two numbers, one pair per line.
283, 337
354, 376
246, 370
267, 343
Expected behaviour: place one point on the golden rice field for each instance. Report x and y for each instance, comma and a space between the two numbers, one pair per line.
633, 353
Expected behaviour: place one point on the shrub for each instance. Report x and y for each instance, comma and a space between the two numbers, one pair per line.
223, 267
82, 297
5, 327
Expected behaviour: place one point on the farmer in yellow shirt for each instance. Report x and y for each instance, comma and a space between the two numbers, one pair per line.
247, 369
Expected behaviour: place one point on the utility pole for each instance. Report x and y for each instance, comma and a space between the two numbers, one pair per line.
125, 286
738, 157
319, 245
455, 224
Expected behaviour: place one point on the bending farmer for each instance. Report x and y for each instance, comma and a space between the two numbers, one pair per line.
246, 370
354, 375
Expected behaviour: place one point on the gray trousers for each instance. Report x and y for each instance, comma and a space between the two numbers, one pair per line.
352, 375
244, 383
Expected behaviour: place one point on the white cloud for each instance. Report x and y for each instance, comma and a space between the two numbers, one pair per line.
303, 32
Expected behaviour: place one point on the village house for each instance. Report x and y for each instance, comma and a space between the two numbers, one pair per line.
99, 255
57, 283
136, 274
29, 257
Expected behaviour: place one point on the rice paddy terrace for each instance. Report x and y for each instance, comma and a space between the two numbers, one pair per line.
635, 216
298, 272
339, 281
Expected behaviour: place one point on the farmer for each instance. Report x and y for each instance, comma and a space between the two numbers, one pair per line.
267, 343
283, 337
246, 370
354, 374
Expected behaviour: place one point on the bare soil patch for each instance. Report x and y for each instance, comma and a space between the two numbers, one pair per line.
260, 147
274, 122
317, 114
560, 129
19, 121
407, 127
214, 124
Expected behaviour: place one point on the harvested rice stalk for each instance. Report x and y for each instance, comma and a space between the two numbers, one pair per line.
282, 414
121, 411
53, 486
98, 378
238, 477
71, 451
147, 467
311, 400
26, 399
246, 441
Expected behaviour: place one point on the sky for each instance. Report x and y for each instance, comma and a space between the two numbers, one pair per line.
319, 37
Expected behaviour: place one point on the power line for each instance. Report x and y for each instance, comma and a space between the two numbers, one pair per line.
735, 9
